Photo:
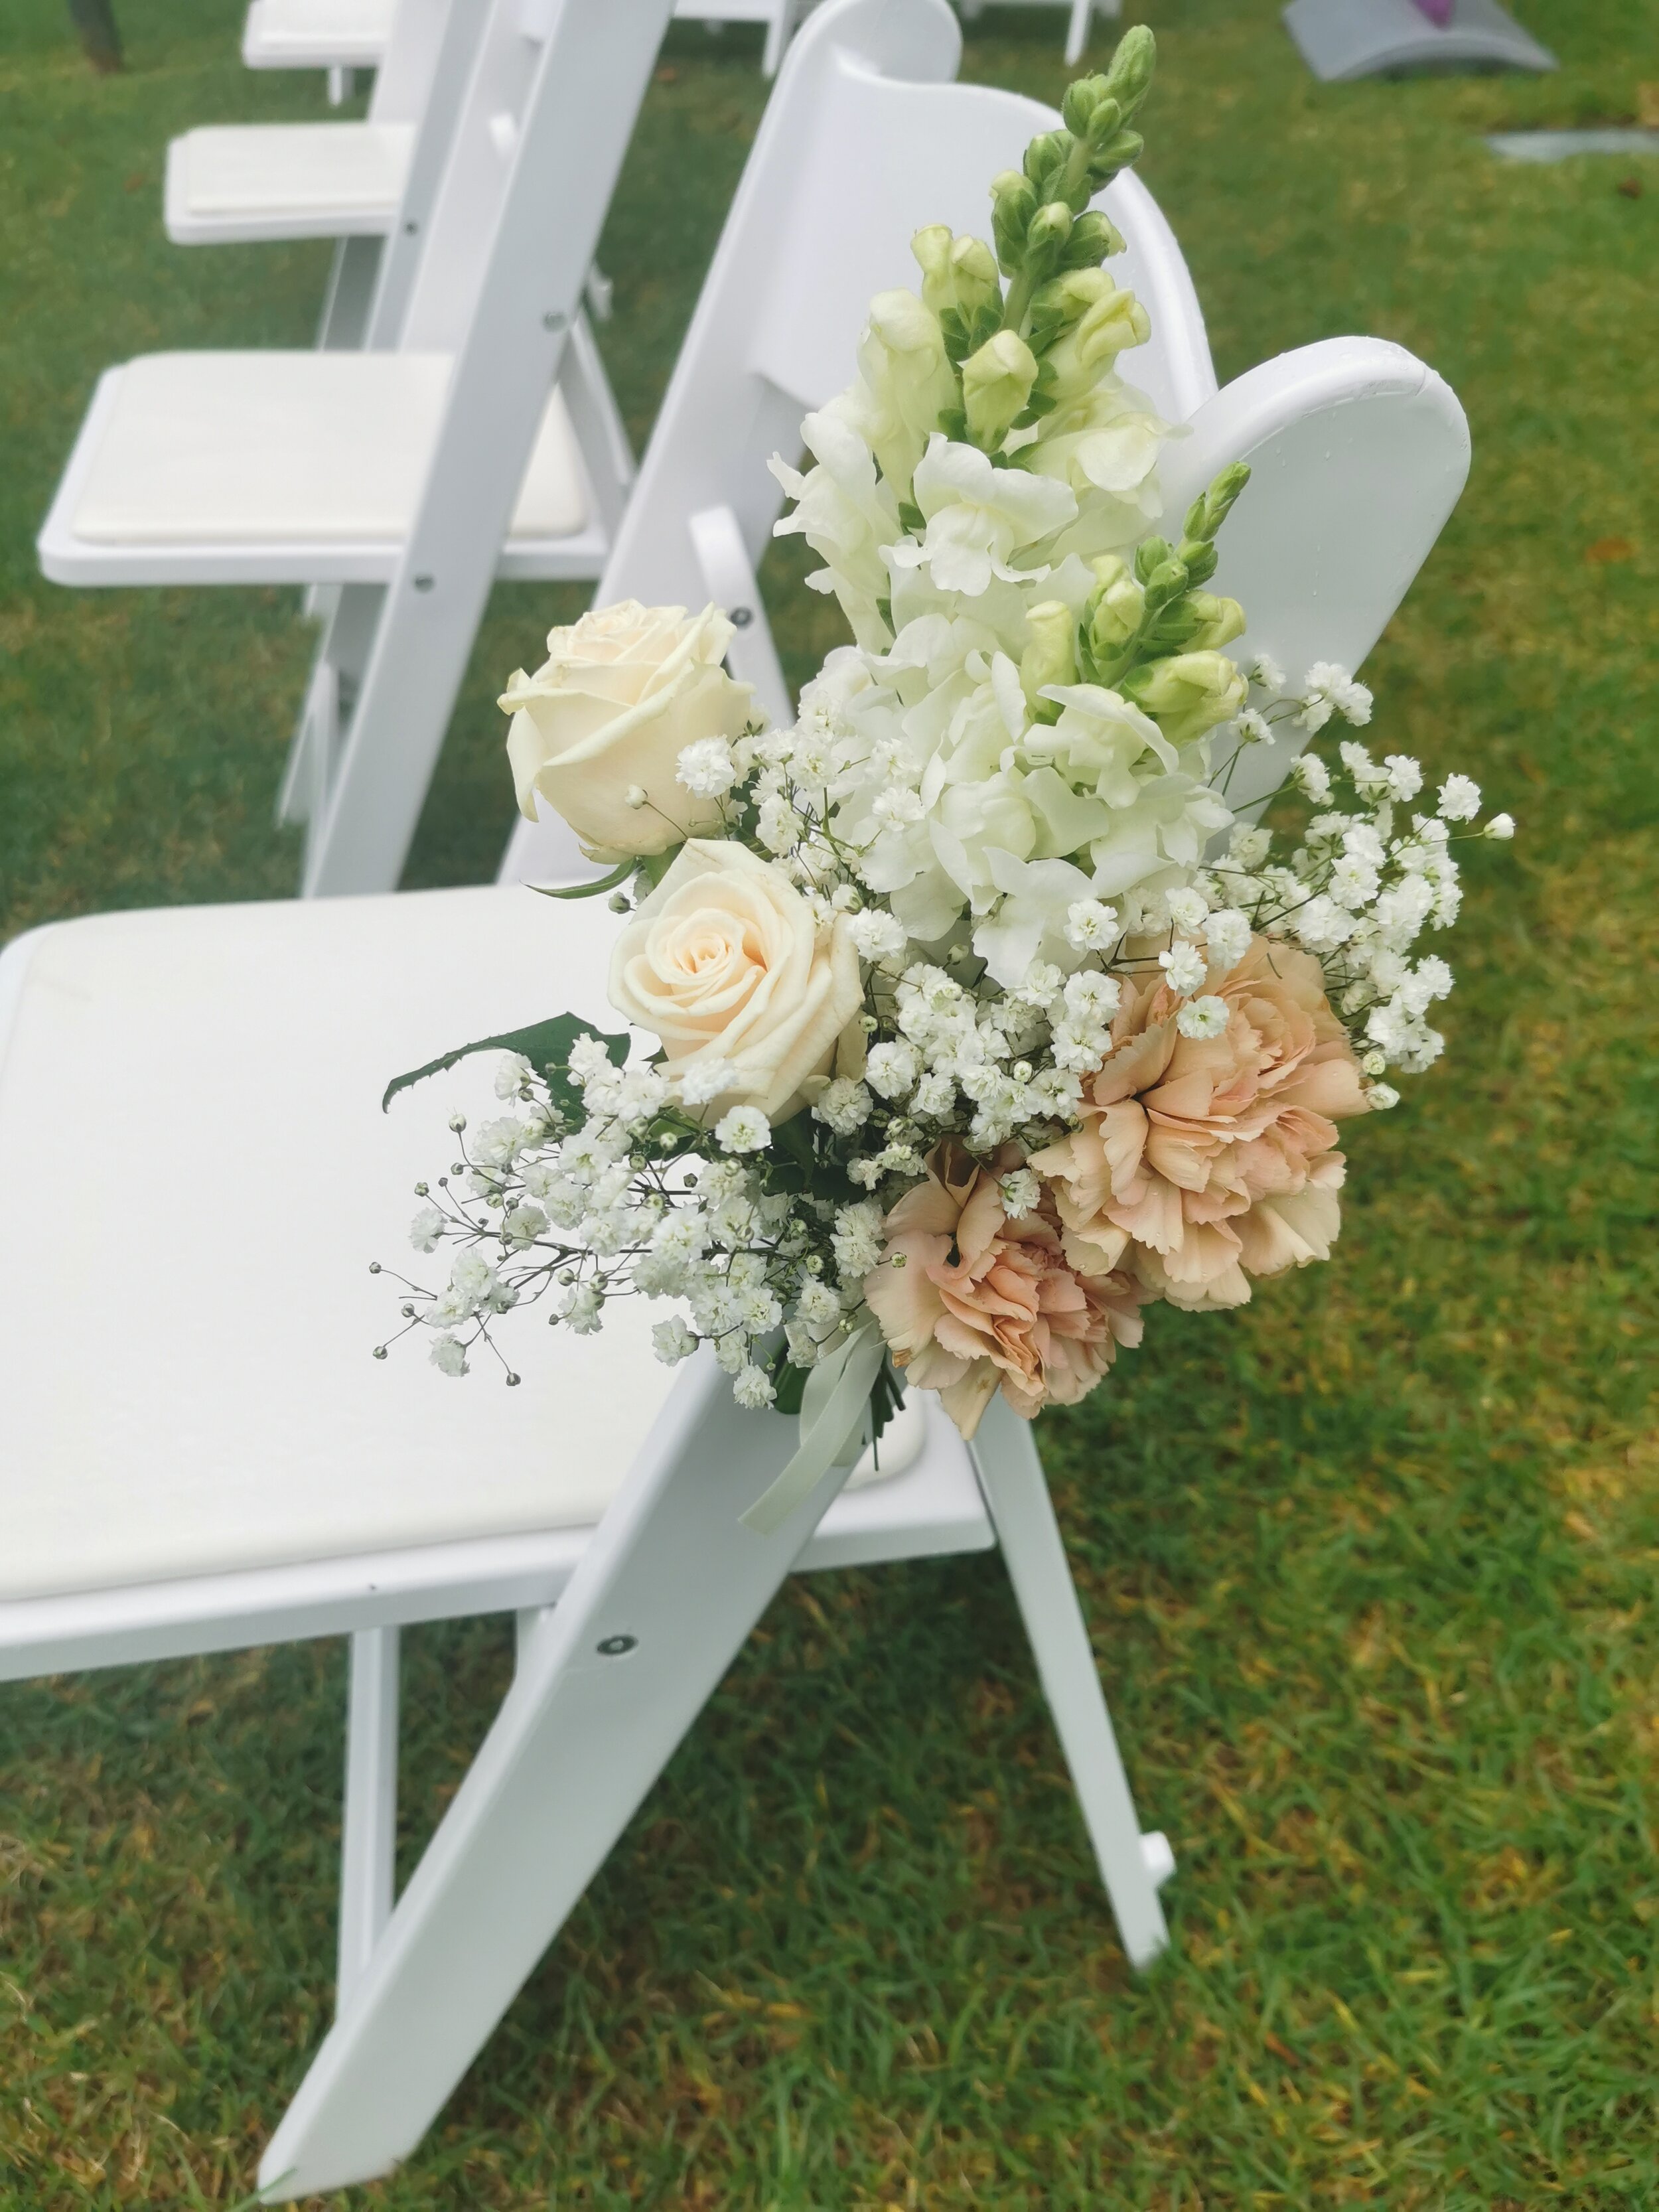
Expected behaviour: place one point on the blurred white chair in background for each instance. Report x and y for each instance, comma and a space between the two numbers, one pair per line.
1079, 21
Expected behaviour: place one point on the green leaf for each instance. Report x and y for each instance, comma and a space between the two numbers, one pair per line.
545, 1045
611, 883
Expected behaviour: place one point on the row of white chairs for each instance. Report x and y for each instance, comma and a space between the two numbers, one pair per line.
342, 35
196, 1451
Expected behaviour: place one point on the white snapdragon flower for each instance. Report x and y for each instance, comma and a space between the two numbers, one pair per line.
1020, 1193
1203, 1017
891, 1069
672, 1341
976, 516
448, 1355
1502, 826
1311, 776
427, 1229
1184, 967
877, 934
744, 1129
1460, 798
706, 768
1227, 934
845, 1106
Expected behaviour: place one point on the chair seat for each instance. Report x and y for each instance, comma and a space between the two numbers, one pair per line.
316, 33
286, 181
186, 1309
276, 467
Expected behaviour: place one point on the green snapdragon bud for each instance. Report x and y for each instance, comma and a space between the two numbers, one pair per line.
1218, 621
1045, 160
1050, 655
1083, 95
996, 383
1130, 75
1150, 554
1046, 233
1211, 508
955, 272
1116, 607
1187, 694
1013, 203
1095, 237
1103, 322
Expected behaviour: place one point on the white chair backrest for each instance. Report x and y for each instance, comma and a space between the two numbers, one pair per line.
1358, 454
403, 81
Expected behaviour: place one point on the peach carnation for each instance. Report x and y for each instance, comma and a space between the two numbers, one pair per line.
1201, 1162
969, 1297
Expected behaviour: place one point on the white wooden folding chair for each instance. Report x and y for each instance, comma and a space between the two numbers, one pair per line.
780, 17
197, 1453
479, 437
336, 36
860, 145
370, 185
1079, 20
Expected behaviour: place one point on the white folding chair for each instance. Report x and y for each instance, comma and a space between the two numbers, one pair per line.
479, 437
780, 17
196, 1452
1079, 21
336, 36
864, 139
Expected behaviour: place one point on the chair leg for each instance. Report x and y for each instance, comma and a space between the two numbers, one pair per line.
369, 1833
1131, 1865
335, 676
606, 1687
351, 294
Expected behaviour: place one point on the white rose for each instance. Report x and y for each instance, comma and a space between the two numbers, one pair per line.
724, 962
619, 697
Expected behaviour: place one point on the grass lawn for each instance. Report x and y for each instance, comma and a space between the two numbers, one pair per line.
1370, 1566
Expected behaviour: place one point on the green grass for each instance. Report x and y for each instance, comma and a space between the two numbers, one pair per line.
1370, 1566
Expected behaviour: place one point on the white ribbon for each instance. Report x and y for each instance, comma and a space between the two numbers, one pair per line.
831, 1424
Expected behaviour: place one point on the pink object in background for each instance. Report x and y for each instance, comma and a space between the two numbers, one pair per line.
1437, 11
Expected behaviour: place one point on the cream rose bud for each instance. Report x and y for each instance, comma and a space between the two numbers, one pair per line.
620, 696
725, 962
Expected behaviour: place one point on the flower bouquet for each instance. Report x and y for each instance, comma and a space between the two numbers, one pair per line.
964, 1020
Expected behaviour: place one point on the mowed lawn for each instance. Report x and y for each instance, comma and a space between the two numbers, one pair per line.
1369, 1567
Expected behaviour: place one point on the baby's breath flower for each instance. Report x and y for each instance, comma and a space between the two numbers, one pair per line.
427, 1229
706, 768
1253, 728
513, 1071
891, 1069
1267, 671
1184, 967
751, 1388
1502, 826
877, 934
845, 1106
1203, 1017
1460, 798
448, 1355
672, 1341
1020, 1193
1091, 926
1405, 776
705, 1079
1186, 908
1311, 776
744, 1129
1227, 936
